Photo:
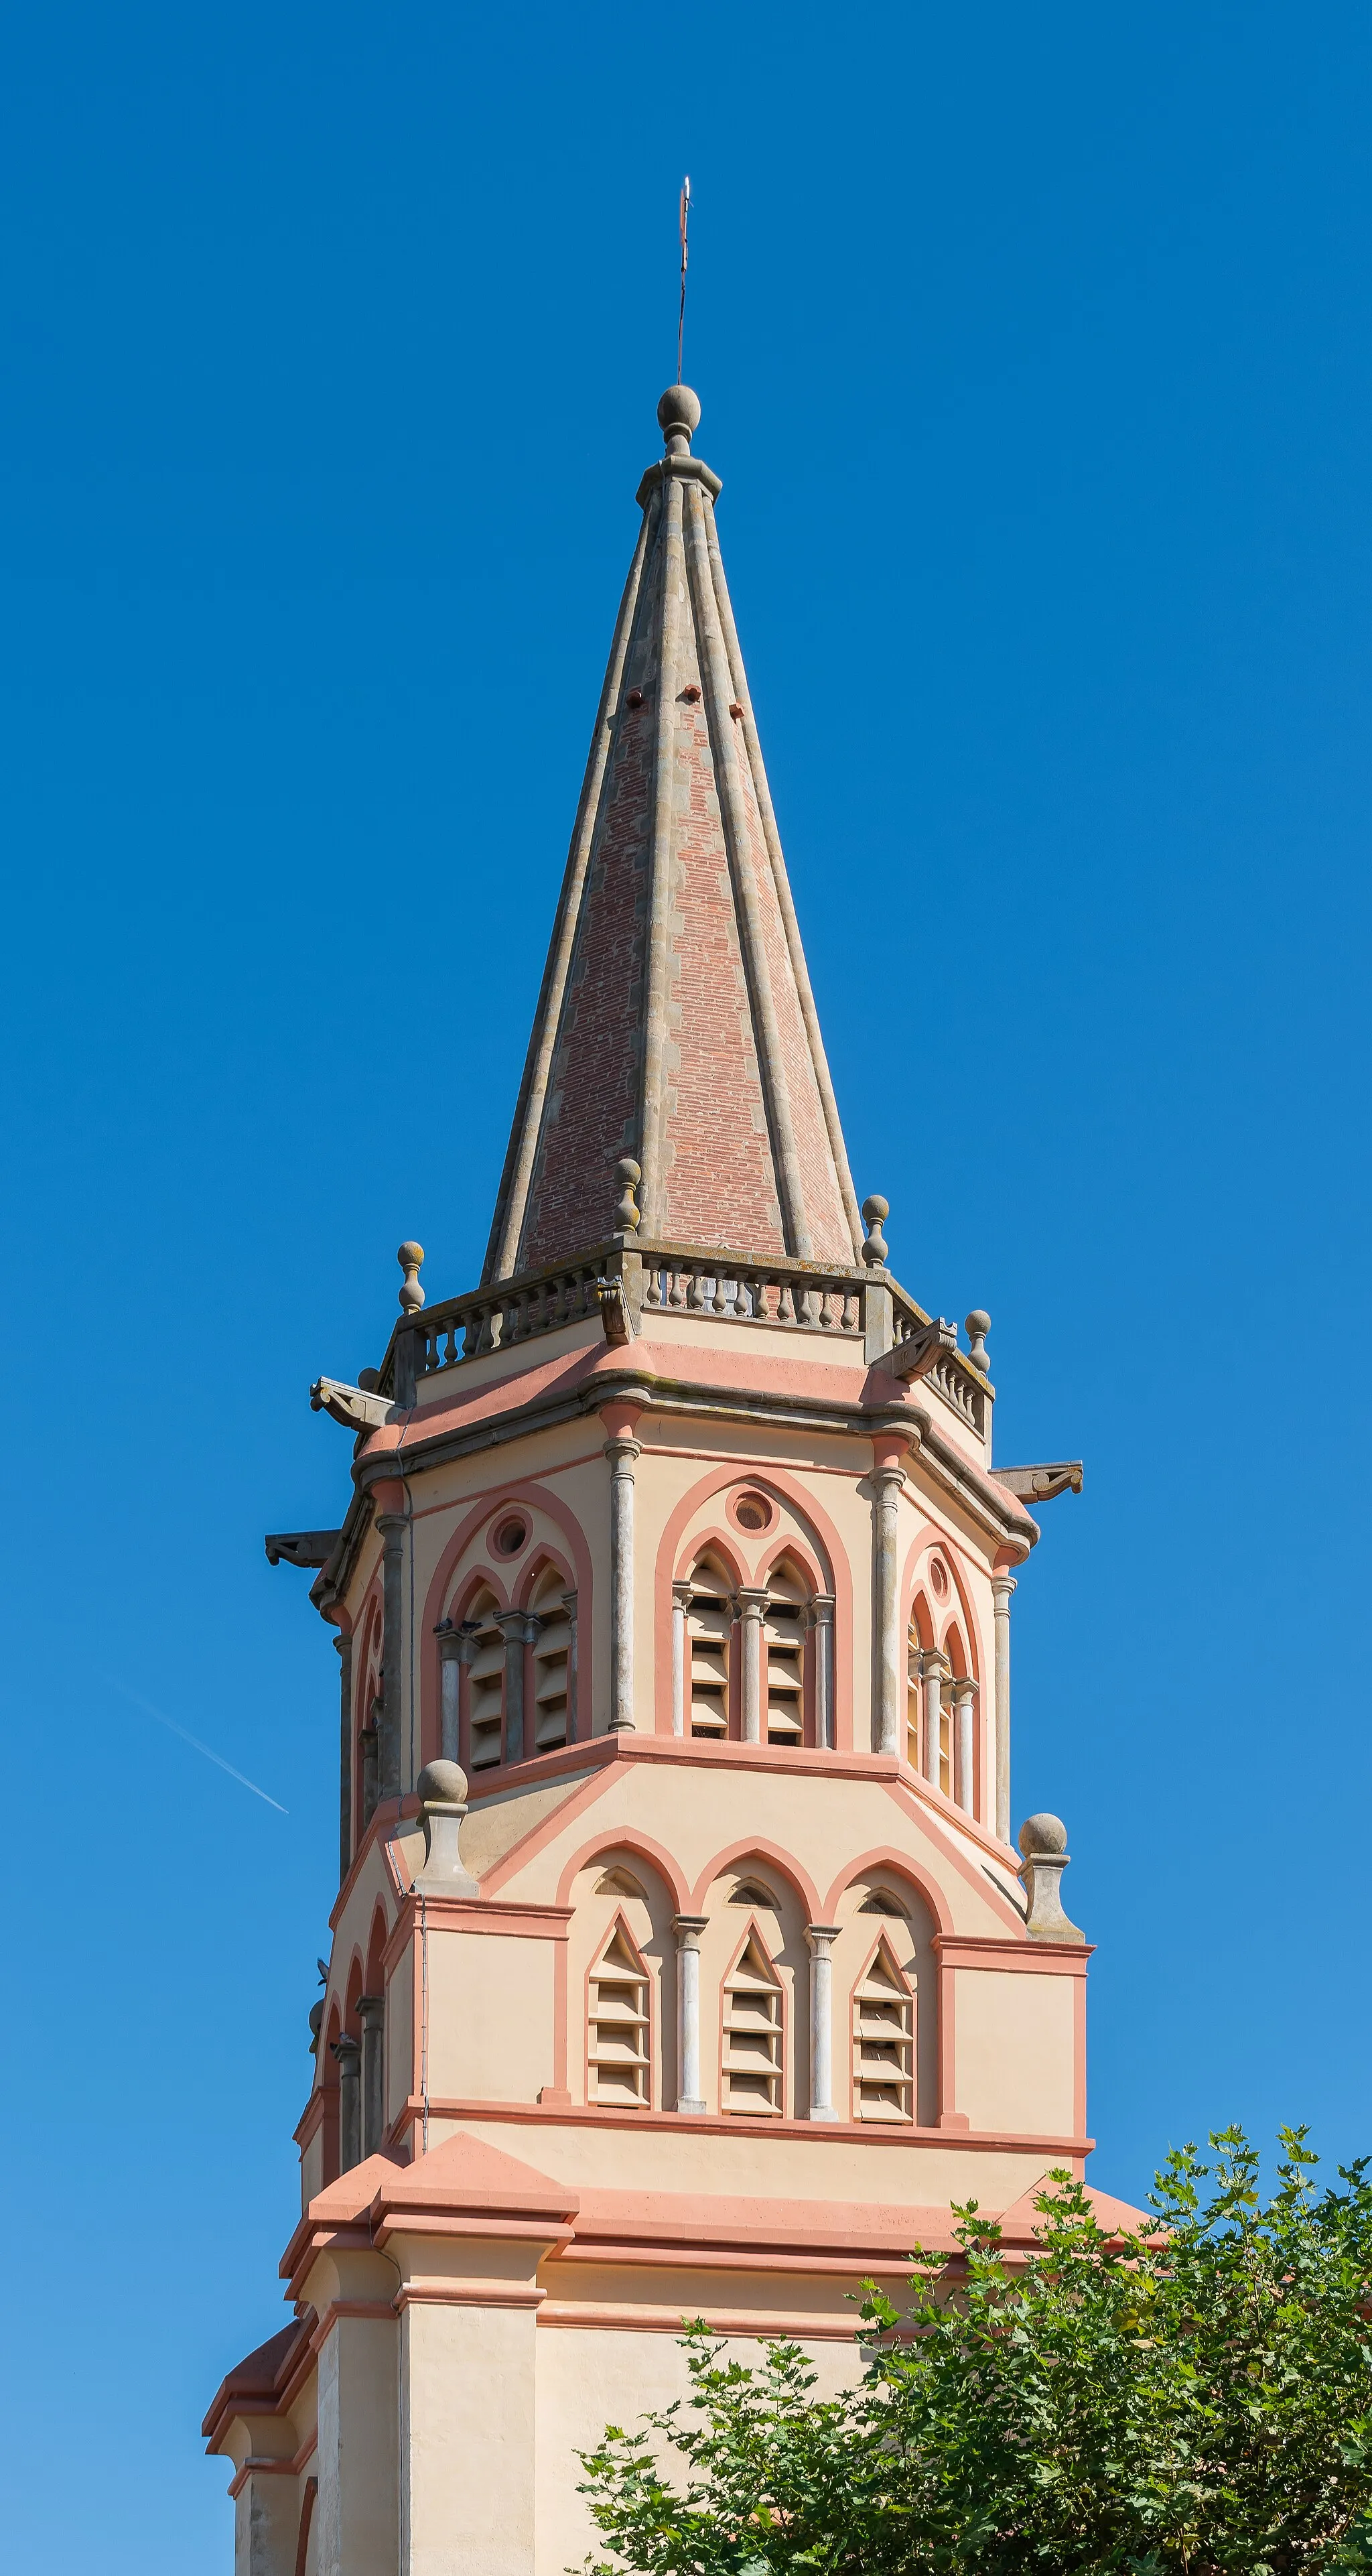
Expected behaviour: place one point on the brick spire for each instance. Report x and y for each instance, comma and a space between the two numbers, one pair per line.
676, 1022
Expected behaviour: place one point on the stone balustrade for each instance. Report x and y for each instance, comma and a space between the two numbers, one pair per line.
863, 1306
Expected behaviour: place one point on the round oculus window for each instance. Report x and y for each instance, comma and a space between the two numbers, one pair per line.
753, 1512
510, 1535
938, 1576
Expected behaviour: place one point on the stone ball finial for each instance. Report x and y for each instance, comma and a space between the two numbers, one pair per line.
628, 1175
875, 1211
409, 1257
1045, 1834
678, 416
442, 1784
978, 1326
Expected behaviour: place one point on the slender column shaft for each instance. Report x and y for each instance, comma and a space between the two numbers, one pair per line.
821, 1937
752, 1608
934, 1668
371, 2012
688, 1929
392, 1528
621, 1454
822, 1620
519, 1629
886, 1486
450, 1644
681, 1602
573, 1677
348, 2052
344, 1648
965, 1703
1002, 1585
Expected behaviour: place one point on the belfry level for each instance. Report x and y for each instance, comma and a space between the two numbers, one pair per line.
682, 1963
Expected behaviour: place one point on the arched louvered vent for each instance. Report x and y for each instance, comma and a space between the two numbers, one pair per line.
552, 1662
709, 1632
913, 1686
783, 1630
883, 2043
618, 2023
752, 2033
486, 1683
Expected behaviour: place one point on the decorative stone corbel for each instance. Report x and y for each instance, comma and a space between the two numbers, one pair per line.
1043, 1841
614, 1312
442, 1790
1041, 1484
300, 1547
356, 1407
938, 1339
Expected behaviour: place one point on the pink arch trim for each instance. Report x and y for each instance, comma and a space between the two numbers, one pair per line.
786, 1488
899, 1865
797, 1879
629, 1839
538, 1498
967, 1622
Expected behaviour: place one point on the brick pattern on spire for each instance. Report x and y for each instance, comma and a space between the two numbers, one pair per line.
676, 1022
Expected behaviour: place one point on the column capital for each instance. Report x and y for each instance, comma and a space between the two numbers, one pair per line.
450, 1642
819, 1935
1002, 1585
345, 2048
934, 1664
752, 1600
964, 1687
819, 1610
370, 2009
390, 1523
688, 1929
887, 1479
517, 1627
681, 1596
623, 1449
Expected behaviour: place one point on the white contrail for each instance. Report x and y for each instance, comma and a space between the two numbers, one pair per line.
187, 1738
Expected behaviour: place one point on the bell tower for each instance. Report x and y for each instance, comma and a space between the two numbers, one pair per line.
682, 1963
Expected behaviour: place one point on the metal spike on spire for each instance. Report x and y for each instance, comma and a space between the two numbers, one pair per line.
685, 217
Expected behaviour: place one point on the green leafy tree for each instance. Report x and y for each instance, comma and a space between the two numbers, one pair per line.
1193, 2397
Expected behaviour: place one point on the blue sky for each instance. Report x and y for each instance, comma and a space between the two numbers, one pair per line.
1033, 350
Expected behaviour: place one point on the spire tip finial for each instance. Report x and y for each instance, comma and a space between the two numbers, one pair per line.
678, 416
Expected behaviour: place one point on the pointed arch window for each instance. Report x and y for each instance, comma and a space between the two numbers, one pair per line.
783, 1634
753, 2033
912, 1690
883, 2041
554, 1661
485, 1682
618, 2022
709, 1644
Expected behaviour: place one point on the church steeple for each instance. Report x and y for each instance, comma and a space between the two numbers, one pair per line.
676, 1024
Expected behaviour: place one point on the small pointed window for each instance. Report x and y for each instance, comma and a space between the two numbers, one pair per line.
883, 2042
913, 1685
783, 1630
709, 1632
752, 2033
486, 1683
618, 2023
552, 1662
